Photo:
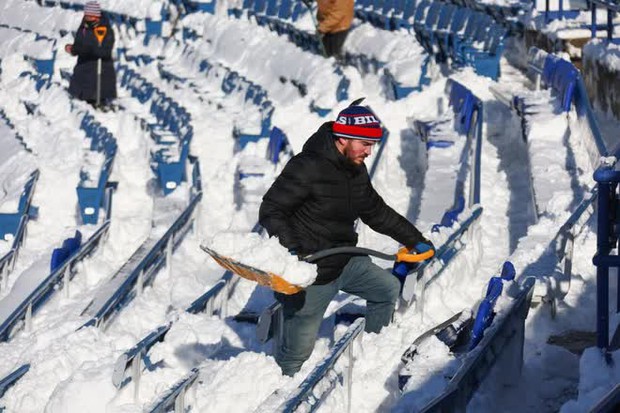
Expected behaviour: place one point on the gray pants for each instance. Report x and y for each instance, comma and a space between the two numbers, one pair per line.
303, 312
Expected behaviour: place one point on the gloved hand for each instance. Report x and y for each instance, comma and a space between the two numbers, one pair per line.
402, 269
422, 247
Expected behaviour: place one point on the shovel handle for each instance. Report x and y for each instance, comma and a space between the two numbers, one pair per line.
403, 255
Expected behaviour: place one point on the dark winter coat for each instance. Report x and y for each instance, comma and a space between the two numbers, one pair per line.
315, 201
86, 47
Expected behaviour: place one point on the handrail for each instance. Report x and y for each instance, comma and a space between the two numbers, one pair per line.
501, 336
607, 176
127, 359
474, 191
611, 7
305, 392
416, 283
175, 396
609, 403
13, 377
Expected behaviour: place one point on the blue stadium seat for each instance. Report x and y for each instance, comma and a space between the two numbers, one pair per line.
564, 82
69, 247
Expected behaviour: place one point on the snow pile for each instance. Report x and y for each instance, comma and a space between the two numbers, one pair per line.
15, 41
604, 52
598, 377
47, 21
400, 52
15, 167
424, 383
264, 253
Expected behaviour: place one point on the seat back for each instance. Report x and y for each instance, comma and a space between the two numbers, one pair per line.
272, 7
433, 15
286, 9
463, 104
564, 82
445, 16
459, 20
409, 9
260, 6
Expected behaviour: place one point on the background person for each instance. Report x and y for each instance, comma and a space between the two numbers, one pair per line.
334, 18
89, 50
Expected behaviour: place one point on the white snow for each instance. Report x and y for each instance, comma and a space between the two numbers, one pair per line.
264, 252
71, 370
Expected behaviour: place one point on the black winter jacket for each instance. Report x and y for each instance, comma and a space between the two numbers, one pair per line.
86, 47
315, 201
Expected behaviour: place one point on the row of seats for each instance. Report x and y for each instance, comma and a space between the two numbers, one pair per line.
448, 141
94, 178
466, 37
233, 84
115, 18
171, 131
265, 10
554, 73
279, 16
42, 66
557, 74
304, 78
397, 14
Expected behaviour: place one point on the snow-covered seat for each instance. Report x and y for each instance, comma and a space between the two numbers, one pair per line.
256, 169
96, 170
447, 141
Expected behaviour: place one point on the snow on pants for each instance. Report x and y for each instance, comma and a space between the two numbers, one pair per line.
303, 312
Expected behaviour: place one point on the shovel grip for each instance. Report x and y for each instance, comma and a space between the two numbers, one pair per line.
403, 255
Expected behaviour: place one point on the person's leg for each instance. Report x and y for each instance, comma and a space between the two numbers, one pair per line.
338, 42
329, 44
303, 314
333, 42
377, 286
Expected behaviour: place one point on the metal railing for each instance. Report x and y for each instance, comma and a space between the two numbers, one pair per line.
12, 378
503, 341
612, 8
608, 177
305, 397
427, 272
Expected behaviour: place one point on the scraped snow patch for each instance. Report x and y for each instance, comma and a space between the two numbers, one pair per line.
264, 253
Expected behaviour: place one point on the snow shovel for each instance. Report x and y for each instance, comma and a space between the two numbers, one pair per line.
100, 33
278, 283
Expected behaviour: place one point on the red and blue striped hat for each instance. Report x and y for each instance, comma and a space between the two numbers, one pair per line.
358, 122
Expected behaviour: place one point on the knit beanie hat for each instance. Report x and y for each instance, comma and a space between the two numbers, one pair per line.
358, 122
92, 9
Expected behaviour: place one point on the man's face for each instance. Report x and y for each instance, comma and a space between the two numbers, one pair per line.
91, 19
356, 150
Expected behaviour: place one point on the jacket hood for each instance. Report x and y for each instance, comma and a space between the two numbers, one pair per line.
322, 143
